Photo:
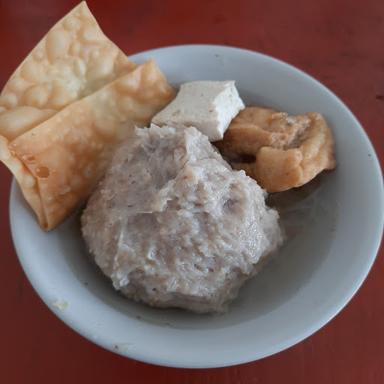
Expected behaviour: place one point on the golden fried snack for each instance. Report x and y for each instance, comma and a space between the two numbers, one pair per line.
277, 150
58, 162
73, 60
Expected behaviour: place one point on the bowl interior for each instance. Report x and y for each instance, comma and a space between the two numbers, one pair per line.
333, 224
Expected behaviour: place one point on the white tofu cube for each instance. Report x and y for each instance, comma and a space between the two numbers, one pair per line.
208, 106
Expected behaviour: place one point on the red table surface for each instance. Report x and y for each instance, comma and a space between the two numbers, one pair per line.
340, 42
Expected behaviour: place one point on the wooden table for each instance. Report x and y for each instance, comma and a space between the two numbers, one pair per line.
340, 42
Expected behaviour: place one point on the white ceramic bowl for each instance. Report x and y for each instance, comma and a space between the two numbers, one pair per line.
335, 224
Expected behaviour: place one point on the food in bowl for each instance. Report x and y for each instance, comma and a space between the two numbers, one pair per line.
216, 229
173, 225
206, 105
278, 150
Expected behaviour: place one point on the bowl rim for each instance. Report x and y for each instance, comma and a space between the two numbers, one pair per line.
78, 326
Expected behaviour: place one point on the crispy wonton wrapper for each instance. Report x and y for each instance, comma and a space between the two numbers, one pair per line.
73, 60
58, 162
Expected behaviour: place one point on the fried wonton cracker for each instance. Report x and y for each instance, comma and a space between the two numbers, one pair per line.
58, 162
73, 60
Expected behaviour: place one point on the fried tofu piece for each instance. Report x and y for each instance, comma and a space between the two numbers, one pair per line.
279, 151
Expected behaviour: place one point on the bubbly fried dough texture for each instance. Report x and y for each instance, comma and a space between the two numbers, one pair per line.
73, 60
279, 151
58, 162
66, 105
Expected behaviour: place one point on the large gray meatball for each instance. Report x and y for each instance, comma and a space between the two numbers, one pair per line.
173, 225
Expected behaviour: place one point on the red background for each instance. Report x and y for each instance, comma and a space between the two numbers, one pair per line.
340, 42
